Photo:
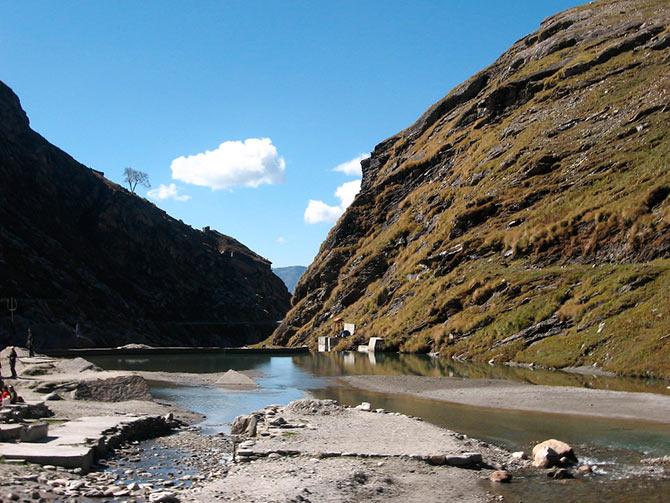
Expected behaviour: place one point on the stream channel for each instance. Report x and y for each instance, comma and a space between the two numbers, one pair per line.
615, 446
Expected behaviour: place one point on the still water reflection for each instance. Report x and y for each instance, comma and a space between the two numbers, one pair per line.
285, 378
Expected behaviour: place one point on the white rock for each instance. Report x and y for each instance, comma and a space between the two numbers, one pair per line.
163, 497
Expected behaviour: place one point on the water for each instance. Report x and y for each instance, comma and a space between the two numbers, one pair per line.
616, 446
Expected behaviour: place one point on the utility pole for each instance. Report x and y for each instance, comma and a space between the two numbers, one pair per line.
11, 306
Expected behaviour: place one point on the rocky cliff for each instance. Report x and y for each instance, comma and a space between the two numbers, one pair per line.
523, 218
76, 248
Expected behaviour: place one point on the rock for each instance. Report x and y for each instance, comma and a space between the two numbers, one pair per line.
584, 469
560, 473
519, 455
113, 389
500, 476
436, 459
244, 425
465, 459
12, 496
277, 421
552, 453
364, 406
163, 497
53, 396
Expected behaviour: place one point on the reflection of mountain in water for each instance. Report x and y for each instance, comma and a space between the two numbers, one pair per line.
199, 363
351, 363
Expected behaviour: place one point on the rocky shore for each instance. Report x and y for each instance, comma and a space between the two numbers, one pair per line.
307, 451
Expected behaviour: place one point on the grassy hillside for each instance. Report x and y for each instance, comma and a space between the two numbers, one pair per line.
523, 218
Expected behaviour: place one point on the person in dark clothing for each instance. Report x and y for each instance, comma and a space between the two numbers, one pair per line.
12, 362
13, 395
29, 344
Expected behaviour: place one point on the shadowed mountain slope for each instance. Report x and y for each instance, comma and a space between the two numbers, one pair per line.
77, 248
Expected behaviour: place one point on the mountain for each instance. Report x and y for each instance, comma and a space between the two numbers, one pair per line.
290, 275
524, 218
75, 248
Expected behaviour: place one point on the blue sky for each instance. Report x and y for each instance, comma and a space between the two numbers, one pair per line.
291, 89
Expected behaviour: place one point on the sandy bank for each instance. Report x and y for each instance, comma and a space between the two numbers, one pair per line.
231, 379
510, 395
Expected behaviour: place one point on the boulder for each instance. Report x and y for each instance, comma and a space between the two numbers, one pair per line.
364, 406
551, 453
113, 389
244, 425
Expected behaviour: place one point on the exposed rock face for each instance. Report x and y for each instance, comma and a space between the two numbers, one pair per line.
525, 217
77, 248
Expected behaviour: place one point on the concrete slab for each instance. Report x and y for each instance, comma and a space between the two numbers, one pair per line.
47, 454
74, 444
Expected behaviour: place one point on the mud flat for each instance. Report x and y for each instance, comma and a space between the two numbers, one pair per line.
510, 395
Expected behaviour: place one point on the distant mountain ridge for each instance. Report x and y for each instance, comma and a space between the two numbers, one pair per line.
78, 250
525, 217
290, 275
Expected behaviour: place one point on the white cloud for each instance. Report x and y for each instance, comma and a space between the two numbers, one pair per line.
318, 211
170, 191
347, 192
281, 240
352, 167
249, 163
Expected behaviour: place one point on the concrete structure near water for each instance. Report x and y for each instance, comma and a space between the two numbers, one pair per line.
326, 344
374, 345
77, 443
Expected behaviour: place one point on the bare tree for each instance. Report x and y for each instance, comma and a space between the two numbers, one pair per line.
133, 177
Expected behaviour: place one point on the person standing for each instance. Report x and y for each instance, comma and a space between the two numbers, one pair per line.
29, 343
12, 362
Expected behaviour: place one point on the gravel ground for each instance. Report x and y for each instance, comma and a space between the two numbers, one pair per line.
318, 451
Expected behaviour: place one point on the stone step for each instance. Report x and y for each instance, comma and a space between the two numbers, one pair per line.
49, 454
23, 432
